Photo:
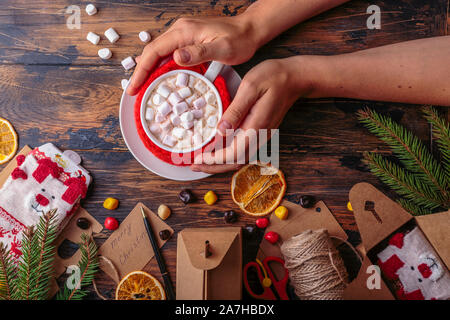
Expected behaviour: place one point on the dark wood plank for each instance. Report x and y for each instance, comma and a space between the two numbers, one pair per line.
56, 89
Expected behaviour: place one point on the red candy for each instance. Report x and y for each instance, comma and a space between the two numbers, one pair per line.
111, 223
272, 237
262, 223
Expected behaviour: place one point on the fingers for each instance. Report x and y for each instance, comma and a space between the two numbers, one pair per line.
159, 48
201, 52
245, 98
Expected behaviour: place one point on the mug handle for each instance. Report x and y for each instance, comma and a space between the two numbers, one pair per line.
213, 71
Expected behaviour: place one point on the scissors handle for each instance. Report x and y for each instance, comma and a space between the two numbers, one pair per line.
280, 285
267, 293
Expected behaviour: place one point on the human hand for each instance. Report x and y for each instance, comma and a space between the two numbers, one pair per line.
230, 40
264, 96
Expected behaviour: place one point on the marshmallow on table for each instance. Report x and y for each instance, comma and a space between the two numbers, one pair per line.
124, 83
182, 80
93, 38
163, 90
174, 98
159, 117
184, 92
201, 86
211, 121
112, 35
179, 133
91, 9
169, 140
175, 119
210, 97
149, 114
199, 103
165, 108
105, 53
179, 108
128, 63
144, 36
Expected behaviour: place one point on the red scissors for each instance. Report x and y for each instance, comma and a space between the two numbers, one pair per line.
274, 289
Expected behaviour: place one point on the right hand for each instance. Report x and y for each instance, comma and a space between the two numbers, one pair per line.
230, 40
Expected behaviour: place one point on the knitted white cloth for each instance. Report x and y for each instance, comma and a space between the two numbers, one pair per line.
411, 259
38, 184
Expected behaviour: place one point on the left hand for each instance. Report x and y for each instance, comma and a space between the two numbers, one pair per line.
264, 96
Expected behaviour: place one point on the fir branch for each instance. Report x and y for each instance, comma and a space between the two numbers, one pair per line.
441, 132
7, 274
46, 231
402, 181
88, 266
412, 208
409, 149
34, 270
26, 275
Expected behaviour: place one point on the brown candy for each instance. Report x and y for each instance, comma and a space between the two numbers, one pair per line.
83, 223
164, 234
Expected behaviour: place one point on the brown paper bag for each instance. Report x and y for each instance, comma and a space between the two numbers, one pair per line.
214, 277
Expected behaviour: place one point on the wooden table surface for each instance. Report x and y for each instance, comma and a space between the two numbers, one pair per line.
54, 88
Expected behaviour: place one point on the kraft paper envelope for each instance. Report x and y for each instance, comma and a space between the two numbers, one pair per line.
214, 277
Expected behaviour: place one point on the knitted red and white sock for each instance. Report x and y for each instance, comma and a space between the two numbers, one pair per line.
411, 260
38, 184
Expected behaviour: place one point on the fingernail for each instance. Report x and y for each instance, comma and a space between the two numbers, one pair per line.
223, 126
195, 168
185, 56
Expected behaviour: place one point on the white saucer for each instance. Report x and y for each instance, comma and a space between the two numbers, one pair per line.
143, 155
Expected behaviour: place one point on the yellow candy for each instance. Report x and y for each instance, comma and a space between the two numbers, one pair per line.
281, 212
110, 203
210, 198
349, 206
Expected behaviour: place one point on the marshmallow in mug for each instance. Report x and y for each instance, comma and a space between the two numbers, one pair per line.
182, 112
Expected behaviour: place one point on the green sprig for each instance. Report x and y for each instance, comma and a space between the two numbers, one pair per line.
421, 181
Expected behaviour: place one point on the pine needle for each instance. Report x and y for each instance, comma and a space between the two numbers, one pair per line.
88, 266
413, 208
7, 274
35, 268
402, 181
441, 132
411, 152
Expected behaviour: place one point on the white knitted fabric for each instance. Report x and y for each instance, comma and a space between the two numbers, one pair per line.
421, 270
32, 190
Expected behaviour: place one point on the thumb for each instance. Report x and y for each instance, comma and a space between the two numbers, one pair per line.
245, 98
198, 53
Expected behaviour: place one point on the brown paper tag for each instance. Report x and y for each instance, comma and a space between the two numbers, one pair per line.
129, 247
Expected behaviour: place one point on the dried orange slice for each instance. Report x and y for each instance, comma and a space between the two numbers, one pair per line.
139, 285
258, 188
8, 141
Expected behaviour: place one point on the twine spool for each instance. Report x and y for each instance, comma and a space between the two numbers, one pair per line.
316, 270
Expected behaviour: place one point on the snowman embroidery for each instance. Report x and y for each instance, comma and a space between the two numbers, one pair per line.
411, 260
36, 186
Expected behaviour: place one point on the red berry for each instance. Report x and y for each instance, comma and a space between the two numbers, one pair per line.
262, 223
111, 223
272, 237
